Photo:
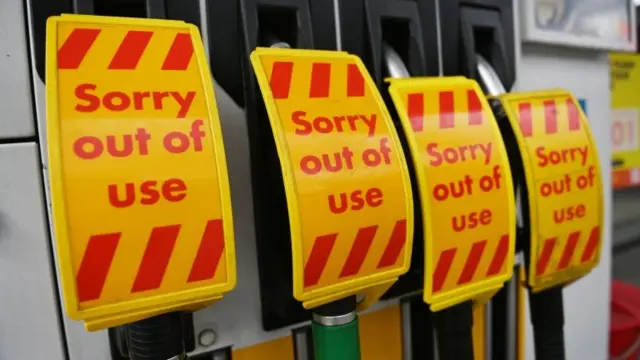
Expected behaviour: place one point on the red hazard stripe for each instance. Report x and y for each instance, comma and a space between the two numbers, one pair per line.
156, 258
75, 47
415, 109
550, 116
545, 255
180, 53
500, 256
396, 244
474, 108
95, 265
318, 259
592, 245
320, 80
209, 252
355, 81
526, 124
569, 249
472, 262
130, 50
280, 81
442, 268
447, 111
574, 115
359, 251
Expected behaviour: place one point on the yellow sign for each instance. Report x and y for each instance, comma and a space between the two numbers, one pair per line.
564, 185
138, 177
465, 186
346, 181
625, 129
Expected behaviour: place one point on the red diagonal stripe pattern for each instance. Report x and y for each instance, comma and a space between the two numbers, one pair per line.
75, 47
209, 252
447, 110
359, 250
569, 249
180, 53
156, 258
95, 265
474, 108
395, 245
280, 81
415, 109
318, 259
470, 266
130, 50
355, 81
442, 268
526, 121
592, 245
320, 80
499, 256
545, 255
550, 116
574, 115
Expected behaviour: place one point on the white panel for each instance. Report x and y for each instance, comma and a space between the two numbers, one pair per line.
15, 102
29, 323
586, 74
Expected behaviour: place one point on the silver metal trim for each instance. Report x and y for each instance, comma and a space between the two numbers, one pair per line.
489, 78
393, 62
405, 311
334, 320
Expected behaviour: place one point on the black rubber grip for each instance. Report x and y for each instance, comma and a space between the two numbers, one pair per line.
454, 328
547, 318
156, 338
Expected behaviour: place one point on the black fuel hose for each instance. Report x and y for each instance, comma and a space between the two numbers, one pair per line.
156, 338
454, 329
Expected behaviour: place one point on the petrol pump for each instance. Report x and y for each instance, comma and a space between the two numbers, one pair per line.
157, 238
327, 170
453, 270
560, 202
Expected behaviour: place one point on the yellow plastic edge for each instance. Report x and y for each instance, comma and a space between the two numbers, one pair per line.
573, 272
476, 289
333, 292
58, 203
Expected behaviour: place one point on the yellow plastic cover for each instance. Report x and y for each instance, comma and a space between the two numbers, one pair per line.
346, 180
139, 187
564, 185
465, 186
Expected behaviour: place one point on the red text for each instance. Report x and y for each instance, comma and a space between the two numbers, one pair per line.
92, 147
329, 124
562, 156
461, 188
172, 190
136, 100
569, 213
471, 220
356, 200
452, 155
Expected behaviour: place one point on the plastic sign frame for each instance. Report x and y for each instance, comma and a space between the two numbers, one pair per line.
121, 260
563, 185
335, 138
465, 186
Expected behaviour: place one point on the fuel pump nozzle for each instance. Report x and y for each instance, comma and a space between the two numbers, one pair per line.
454, 325
546, 307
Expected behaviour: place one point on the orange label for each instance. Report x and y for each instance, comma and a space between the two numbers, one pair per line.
138, 176
564, 185
348, 189
465, 186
